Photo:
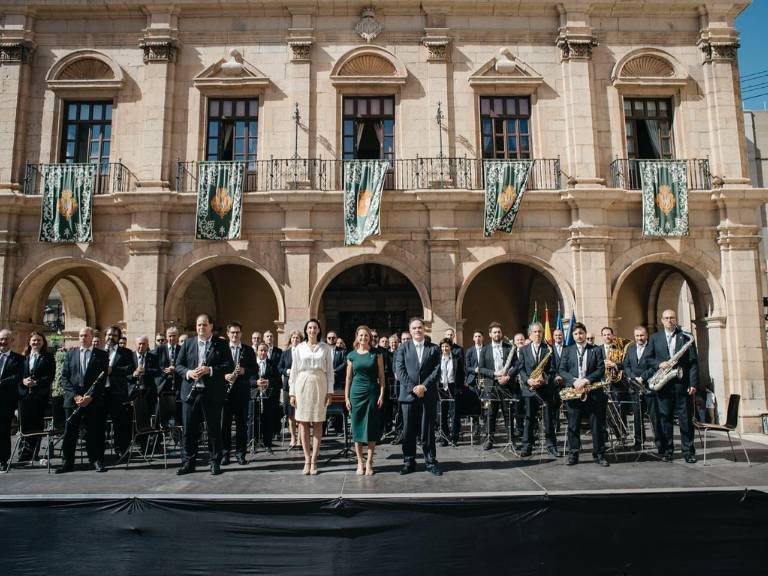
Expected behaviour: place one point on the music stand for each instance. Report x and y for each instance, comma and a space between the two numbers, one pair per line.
394, 393
256, 440
339, 409
440, 435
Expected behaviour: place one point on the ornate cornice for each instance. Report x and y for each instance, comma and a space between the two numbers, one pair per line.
575, 46
16, 51
719, 45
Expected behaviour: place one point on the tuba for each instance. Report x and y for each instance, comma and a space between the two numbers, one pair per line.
616, 353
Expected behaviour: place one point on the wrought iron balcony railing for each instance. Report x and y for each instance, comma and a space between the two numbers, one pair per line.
405, 174
625, 174
109, 177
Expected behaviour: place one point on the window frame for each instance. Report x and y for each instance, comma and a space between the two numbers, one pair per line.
104, 125
246, 120
500, 126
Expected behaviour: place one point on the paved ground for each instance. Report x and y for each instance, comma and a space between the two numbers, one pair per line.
468, 471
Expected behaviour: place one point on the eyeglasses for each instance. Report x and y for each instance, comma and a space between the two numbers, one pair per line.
590, 338
330, 337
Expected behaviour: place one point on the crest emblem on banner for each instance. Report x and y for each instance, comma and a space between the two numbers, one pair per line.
222, 202
665, 200
67, 205
364, 203
507, 198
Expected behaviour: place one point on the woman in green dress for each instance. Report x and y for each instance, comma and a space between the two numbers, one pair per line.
364, 396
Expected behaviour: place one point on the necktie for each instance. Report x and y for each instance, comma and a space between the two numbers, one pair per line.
3, 356
671, 344
582, 356
141, 361
33, 362
236, 354
419, 350
83, 361
640, 352
202, 347
536, 353
262, 368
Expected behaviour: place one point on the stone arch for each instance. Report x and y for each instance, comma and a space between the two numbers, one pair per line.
648, 66
187, 274
385, 260
368, 65
85, 68
563, 288
102, 294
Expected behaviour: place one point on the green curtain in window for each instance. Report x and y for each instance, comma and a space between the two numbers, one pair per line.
219, 200
67, 202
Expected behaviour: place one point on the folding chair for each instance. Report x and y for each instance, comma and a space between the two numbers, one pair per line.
731, 425
25, 433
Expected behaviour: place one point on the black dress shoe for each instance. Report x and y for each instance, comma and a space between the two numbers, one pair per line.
691, 459
66, 467
434, 469
407, 470
526, 453
637, 447
268, 450
225, 461
215, 468
601, 461
185, 469
444, 443
454, 443
554, 452
4, 467
667, 457
573, 459
488, 445
397, 440
241, 459
98, 465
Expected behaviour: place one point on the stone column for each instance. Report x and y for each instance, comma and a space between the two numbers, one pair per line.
299, 75
8, 250
298, 283
591, 253
746, 329
576, 41
437, 47
728, 147
443, 256
16, 46
717, 358
160, 47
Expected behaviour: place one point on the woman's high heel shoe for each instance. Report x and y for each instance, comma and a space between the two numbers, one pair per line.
360, 470
306, 469
369, 469
313, 468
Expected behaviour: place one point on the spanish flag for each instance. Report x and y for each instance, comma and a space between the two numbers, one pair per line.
547, 327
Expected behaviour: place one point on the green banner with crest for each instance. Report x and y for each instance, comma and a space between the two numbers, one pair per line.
363, 186
505, 183
219, 200
665, 197
67, 202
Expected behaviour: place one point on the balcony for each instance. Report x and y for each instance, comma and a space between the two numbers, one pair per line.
625, 174
110, 177
406, 174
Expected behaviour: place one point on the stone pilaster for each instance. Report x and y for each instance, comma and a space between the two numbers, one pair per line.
297, 246
160, 47
300, 40
443, 262
16, 47
576, 41
591, 262
719, 44
437, 51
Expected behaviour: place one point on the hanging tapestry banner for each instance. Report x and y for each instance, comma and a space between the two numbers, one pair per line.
67, 202
219, 200
363, 186
505, 182
665, 197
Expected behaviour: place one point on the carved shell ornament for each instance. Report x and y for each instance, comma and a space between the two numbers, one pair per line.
368, 28
505, 62
368, 65
87, 69
647, 66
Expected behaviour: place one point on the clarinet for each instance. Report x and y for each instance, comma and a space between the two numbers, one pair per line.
232, 384
198, 387
88, 392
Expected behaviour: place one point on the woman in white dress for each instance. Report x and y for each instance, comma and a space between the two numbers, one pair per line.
310, 389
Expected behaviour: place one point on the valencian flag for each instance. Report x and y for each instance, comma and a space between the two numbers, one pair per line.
67, 203
559, 322
665, 197
363, 184
505, 182
547, 327
219, 200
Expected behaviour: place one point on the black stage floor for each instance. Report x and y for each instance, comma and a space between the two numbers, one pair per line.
490, 511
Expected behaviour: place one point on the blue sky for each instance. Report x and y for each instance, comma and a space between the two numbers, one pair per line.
753, 55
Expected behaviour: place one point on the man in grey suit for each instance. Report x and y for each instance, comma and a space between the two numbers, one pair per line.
417, 365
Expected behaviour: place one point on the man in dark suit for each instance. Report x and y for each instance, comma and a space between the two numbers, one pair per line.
167, 381
498, 382
417, 365
86, 367
456, 350
116, 400
265, 386
34, 390
273, 354
11, 369
676, 397
537, 392
238, 395
472, 358
558, 346
452, 384
583, 364
637, 373
202, 364
142, 387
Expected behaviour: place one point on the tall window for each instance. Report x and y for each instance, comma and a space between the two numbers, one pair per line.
87, 132
505, 123
233, 128
369, 128
648, 124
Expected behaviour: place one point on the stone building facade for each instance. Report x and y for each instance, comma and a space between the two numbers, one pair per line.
294, 87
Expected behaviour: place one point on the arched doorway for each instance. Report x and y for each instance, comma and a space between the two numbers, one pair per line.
61, 300
371, 294
230, 292
507, 293
650, 289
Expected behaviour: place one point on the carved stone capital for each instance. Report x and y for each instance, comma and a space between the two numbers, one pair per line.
738, 237
301, 50
159, 49
437, 49
16, 51
575, 46
723, 51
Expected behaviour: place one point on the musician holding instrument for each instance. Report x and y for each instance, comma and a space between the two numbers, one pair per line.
11, 368
238, 395
497, 369
637, 373
672, 356
83, 378
582, 369
34, 390
536, 366
202, 364
265, 389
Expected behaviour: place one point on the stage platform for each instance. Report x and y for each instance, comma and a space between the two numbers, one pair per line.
491, 510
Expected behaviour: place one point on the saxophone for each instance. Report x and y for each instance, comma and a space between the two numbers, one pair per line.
537, 372
662, 376
571, 393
